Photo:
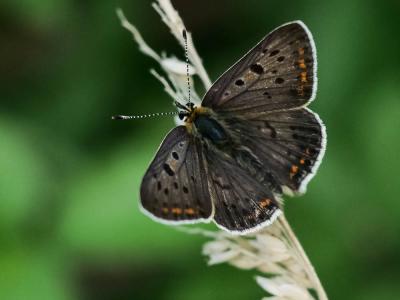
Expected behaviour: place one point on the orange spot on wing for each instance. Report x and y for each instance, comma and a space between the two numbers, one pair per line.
302, 161
293, 170
189, 211
302, 64
303, 77
176, 210
265, 202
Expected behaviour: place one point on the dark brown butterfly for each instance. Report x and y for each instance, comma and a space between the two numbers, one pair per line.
251, 140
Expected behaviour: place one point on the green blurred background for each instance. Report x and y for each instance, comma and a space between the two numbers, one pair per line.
70, 227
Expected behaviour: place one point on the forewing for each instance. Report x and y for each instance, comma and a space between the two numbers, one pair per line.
289, 144
278, 73
174, 188
241, 203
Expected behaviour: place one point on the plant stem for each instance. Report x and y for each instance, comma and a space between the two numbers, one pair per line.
308, 267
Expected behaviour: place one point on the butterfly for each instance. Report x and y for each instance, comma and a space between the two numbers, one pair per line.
251, 140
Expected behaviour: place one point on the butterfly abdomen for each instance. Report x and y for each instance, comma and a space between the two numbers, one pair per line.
251, 163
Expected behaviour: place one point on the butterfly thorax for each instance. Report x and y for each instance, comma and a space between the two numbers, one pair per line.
201, 122
210, 128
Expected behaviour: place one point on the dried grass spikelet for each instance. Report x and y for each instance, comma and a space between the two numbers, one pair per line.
274, 251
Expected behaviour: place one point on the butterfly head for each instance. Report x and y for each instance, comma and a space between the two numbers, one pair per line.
185, 111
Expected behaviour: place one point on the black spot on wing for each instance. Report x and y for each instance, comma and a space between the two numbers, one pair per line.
257, 68
275, 52
271, 128
239, 82
168, 169
175, 155
267, 94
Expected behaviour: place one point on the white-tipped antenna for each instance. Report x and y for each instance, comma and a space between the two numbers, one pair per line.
187, 63
122, 117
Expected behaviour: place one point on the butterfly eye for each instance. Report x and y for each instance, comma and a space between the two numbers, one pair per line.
182, 115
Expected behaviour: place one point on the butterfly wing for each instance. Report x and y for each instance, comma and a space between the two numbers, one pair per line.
174, 188
278, 73
242, 204
277, 142
289, 144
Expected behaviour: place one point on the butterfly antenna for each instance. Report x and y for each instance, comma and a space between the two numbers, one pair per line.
122, 117
187, 63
